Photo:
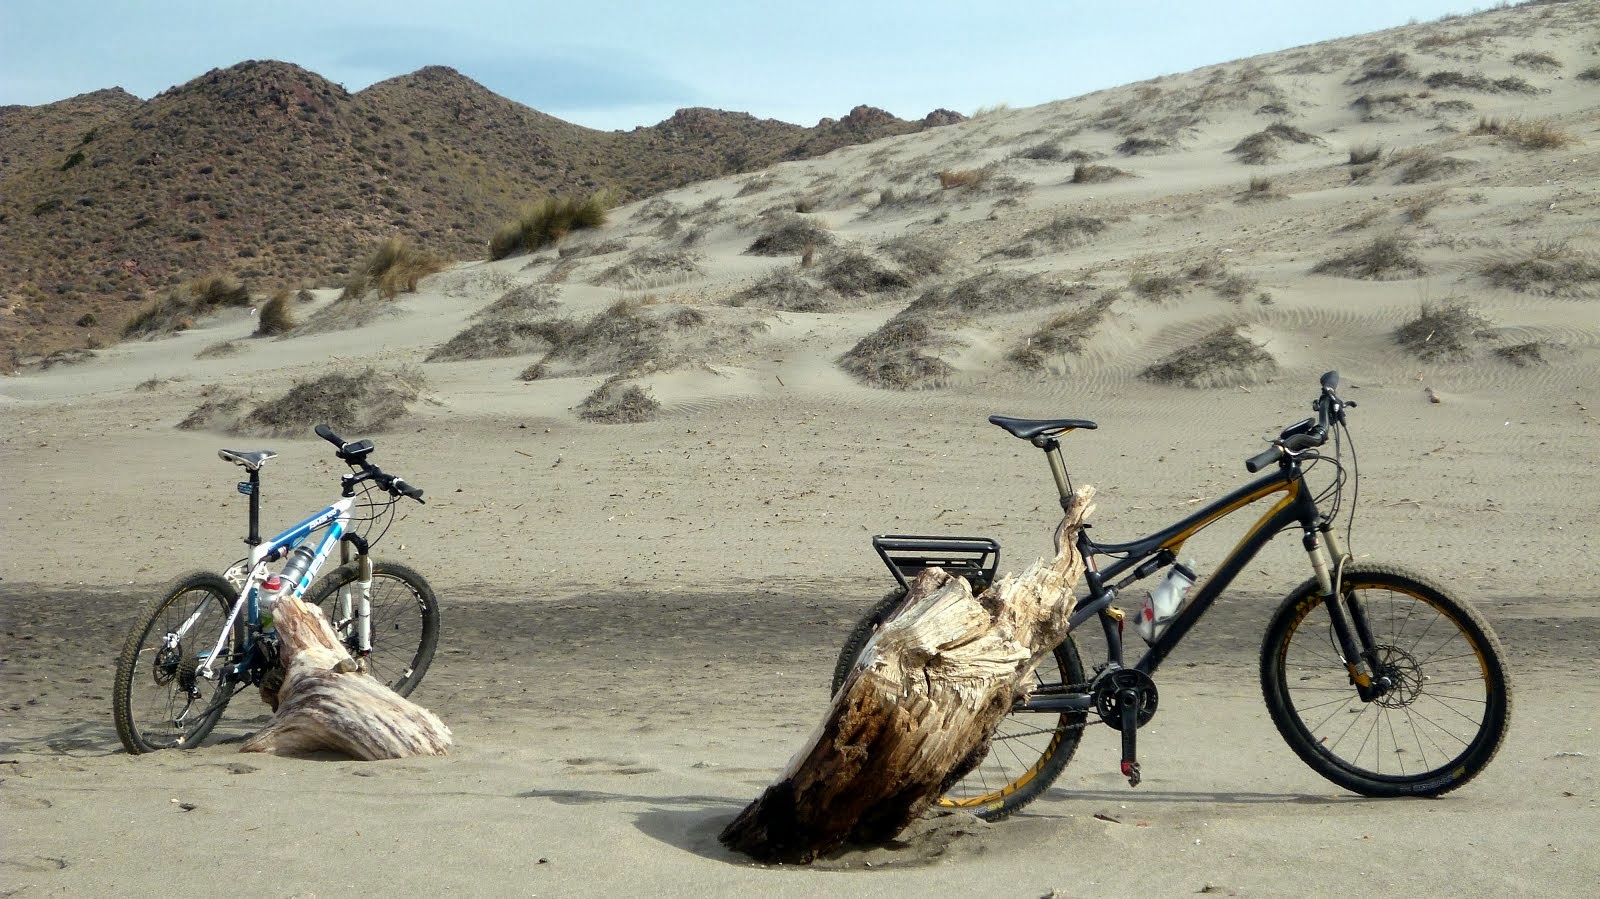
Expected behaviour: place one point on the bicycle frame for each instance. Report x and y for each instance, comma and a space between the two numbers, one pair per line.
1295, 505
334, 521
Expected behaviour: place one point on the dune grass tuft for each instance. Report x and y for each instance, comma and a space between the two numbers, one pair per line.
548, 221
395, 267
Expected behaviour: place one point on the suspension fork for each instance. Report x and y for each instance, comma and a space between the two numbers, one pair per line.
1350, 625
355, 601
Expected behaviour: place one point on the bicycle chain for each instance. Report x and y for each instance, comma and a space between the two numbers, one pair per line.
1064, 728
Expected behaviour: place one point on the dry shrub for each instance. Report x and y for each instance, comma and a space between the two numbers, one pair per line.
1417, 208
219, 350
1156, 287
1592, 73
182, 307
989, 293
1528, 134
548, 221
1386, 258
852, 273
522, 300
1063, 334
756, 185
1390, 66
1551, 269
1523, 355
1365, 154
1451, 38
1069, 230
1229, 285
1260, 190
1480, 83
1046, 152
1444, 331
1538, 61
898, 356
276, 316
1144, 146
790, 236
495, 339
1097, 174
394, 268
219, 412
618, 402
650, 267
1265, 145
360, 402
917, 256
1376, 107
1223, 358
785, 289
631, 335
1425, 165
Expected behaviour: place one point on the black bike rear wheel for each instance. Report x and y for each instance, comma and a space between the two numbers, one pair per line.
1027, 751
405, 620
1442, 720
158, 700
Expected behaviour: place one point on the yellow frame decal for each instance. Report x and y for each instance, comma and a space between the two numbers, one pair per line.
1289, 489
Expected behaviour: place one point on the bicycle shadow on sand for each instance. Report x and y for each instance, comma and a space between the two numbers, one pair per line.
87, 739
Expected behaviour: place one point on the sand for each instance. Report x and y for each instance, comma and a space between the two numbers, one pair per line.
640, 620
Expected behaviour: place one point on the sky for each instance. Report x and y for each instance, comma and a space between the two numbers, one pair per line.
610, 64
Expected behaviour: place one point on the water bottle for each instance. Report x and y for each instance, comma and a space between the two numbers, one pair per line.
271, 591
299, 560
1161, 604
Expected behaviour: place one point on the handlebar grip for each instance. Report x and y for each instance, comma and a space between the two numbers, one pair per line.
1270, 455
1330, 380
326, 433
405, 489
1317, 437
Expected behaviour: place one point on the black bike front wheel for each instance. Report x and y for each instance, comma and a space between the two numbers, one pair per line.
404, 620
1027, 751
163, 697
1445, 696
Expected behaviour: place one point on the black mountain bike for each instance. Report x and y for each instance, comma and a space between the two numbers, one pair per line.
1377, 677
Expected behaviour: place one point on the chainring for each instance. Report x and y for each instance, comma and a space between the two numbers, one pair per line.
1108, 696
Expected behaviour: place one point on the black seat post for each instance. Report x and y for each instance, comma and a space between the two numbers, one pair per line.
255, 508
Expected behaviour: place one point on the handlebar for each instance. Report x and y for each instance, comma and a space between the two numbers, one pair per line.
1308, 434
355, 453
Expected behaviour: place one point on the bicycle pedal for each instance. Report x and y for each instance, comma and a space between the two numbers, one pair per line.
1130, 770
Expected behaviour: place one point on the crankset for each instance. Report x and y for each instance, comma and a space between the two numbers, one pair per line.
1126, 689
1126, 700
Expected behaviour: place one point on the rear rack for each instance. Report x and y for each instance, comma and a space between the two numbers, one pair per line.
974, 558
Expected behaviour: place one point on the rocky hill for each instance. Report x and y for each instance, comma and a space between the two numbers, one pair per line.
276, 175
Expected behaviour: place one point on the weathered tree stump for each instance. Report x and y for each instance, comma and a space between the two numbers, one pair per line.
917, 712
325, 702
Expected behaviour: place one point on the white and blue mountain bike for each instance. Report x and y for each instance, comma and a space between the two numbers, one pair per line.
209, 636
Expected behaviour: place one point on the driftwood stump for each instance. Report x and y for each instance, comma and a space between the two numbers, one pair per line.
325, 702
917, 712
